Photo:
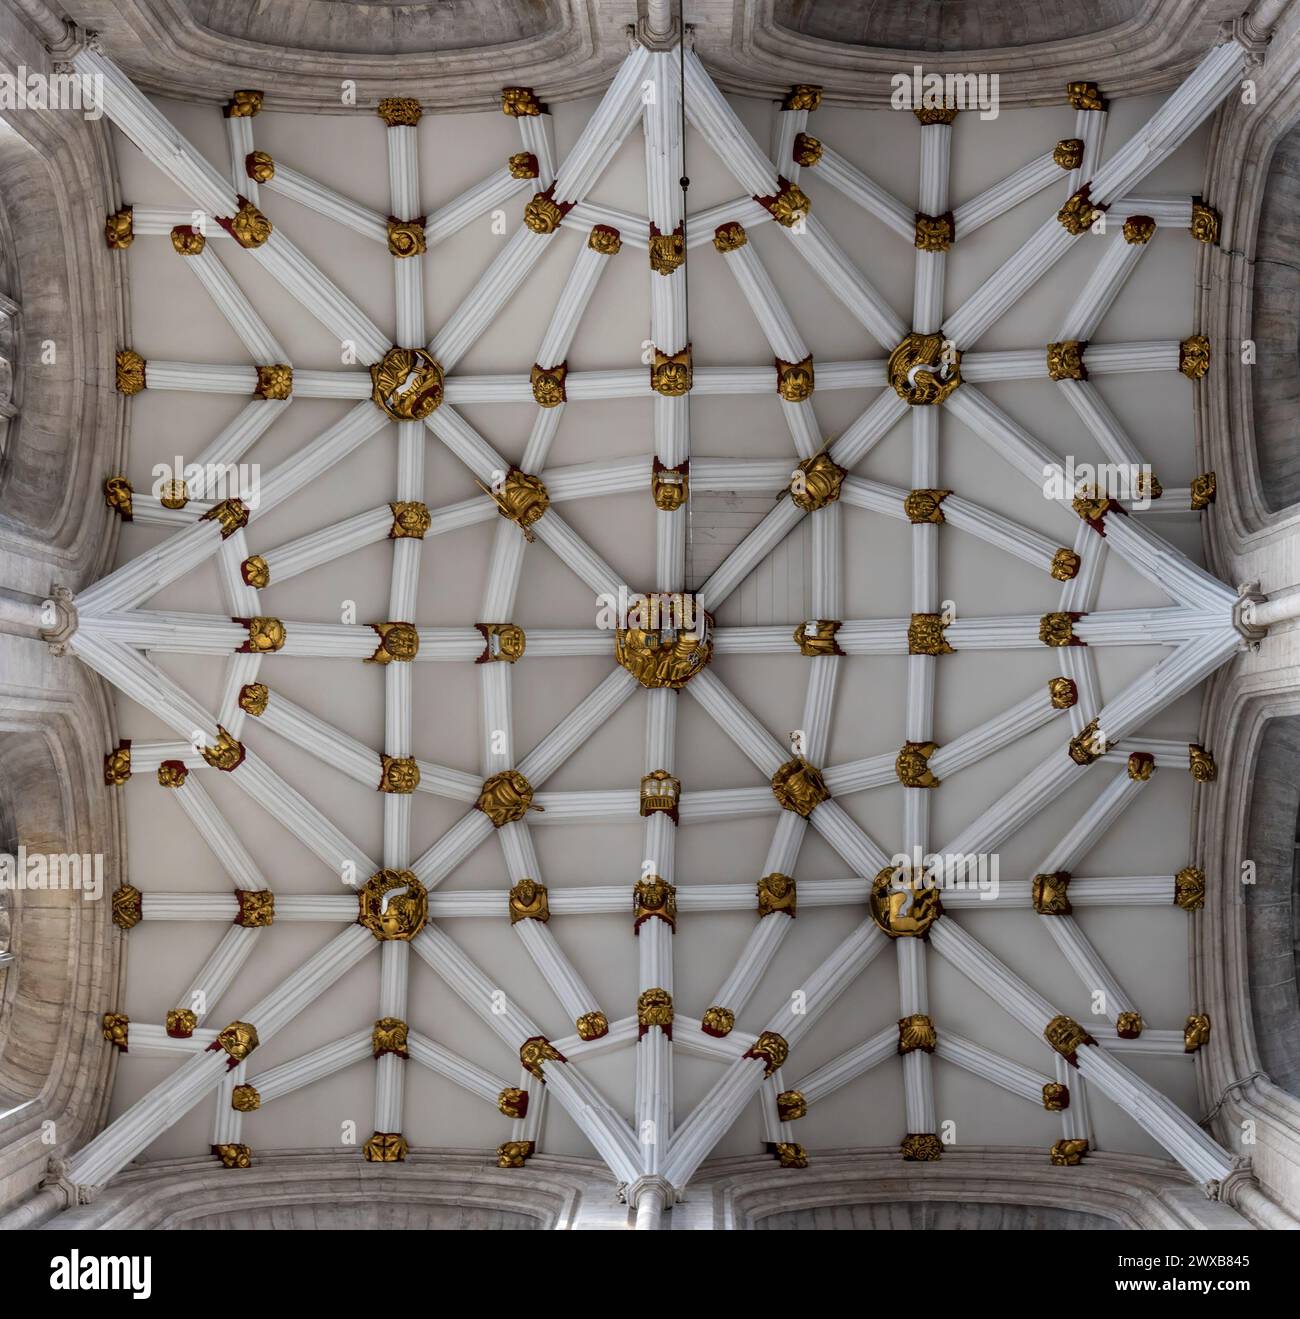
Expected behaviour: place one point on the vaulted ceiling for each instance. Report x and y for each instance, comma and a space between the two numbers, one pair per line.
752, 294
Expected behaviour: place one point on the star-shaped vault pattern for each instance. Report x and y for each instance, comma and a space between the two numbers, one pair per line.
931, 366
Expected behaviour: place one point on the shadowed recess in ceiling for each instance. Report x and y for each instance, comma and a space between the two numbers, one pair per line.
371, 27
1273, 901
952, 24
1276, 321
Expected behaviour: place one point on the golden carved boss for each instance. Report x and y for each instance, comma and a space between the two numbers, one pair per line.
605, 239
654, 1007
791, 1105
393, 904
274, 381
256, 908
730, 237
1085, 96
807, 149
592, 1026
925, 635
933, 233
799, 787
259, 166
385, 1147
795, 380
128, 906
816, 638
1065, 1035
398, 774
505, 797
921, 1147
1079, 213
771, 1049
790, 206
654, 896
1065, 360
399, 111
397, 641
265, 635
520, 497
543, 214
665, 657
248, 226
119, 229
776, 892
389, 1035
407, 384
226, 754
1068, 153
513, 1102
816, 482
1194, 356
181, 1023
660, 792
924, 369
253, 697
548, 384
529, 901
130, 376
802, 96
670, 487
917, 1032
1050, 894
504, 643
411, 520
534, 1053
671, 374
256, 572
116, 1027
912, 765
406, 237
667, 251
231, 515
1189, 888
239, 1039
117, 765
1201, 764
119, 496
903, 907
1065, 565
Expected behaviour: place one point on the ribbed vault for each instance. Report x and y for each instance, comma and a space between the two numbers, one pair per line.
215, 757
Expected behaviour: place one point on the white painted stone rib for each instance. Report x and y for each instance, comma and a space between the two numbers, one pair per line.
234, 305
236, 860
979, 1061
307, 1068
492, 192
1039, 173
846, 178
172, 1098
460, 1071
1116, 263
848, 1066
316, 196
